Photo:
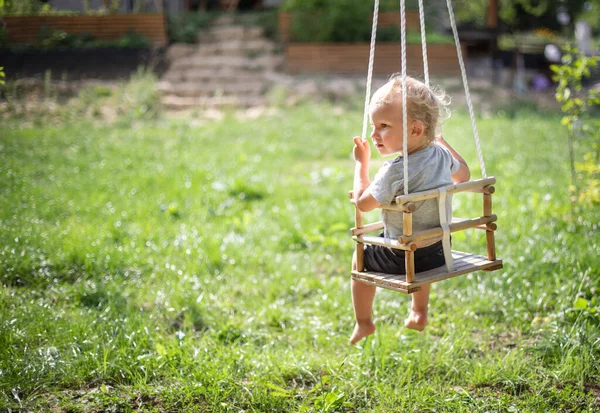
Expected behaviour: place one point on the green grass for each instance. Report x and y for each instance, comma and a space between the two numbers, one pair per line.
157, 266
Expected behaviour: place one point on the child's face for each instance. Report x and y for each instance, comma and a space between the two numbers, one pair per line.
387, 134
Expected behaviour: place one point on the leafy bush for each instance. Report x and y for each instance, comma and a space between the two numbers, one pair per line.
30, 7
347, 21
184, 27
138, 98
52, 39
39, 8
267, 20
524, 15
133, 40
57, 39
384, 5
333, 21
20, 7
581, 116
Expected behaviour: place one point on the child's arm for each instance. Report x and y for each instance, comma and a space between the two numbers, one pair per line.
463, 174
362, 195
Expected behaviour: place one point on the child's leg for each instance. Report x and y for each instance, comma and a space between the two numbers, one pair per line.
362, 300
417, 320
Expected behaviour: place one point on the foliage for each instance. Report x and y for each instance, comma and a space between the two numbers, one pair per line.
131, 40
345, 21
29, 8
184, 27
333, 21
535, 40
138, 99
40, 8
524, 15
50, 39
591, 14
2, 76
20, 7
267, 20
520, 15
581, 110
134, 100
384, 5
114, 6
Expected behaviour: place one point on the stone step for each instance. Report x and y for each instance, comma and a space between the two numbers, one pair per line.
197, 89
242, 48
182, 103
264, 62
227, 32
223, 20
236, 47
228, 67
178, 50
226, 74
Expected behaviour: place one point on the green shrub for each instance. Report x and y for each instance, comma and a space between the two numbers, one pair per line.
132, 40
184, 27
348, 21
57, 39
384, 5
138, 98
20, 7
267, 20
581, 112
334, 21
52, 39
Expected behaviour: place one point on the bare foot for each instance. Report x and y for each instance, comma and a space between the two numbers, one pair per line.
416, 321
361, 331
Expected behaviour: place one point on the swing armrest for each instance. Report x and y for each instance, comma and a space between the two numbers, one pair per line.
479, 185
375, 226
490, 226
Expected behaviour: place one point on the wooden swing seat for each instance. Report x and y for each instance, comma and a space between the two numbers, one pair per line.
464, 263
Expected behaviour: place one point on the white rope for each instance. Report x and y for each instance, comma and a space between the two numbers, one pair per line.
404, 114
370, 69
465, 84
424, 43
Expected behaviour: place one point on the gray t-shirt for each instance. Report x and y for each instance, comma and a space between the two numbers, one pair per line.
428, 168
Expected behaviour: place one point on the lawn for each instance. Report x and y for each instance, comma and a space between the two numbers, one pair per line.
172, 266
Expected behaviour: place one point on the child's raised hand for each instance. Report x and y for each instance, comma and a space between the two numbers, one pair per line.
362, 150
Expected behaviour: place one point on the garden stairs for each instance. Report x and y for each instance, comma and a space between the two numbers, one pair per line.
231, 65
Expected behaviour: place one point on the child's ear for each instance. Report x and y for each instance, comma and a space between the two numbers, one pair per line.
417, 128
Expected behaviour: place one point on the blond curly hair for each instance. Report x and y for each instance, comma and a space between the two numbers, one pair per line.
430, 105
